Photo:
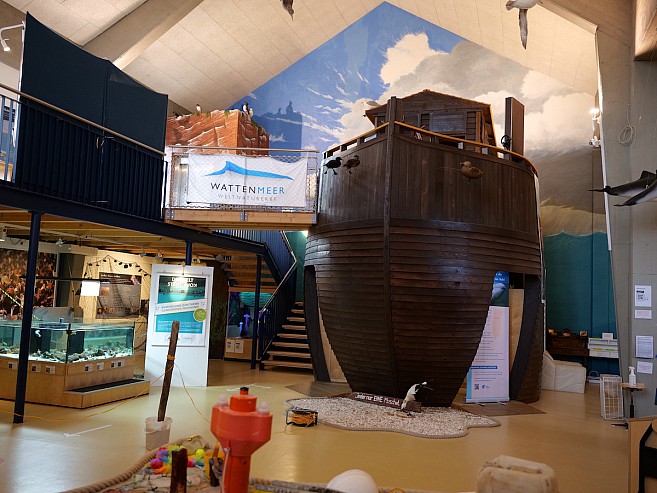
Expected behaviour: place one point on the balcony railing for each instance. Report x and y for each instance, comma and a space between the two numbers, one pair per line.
192, 166
8, 133
50, 151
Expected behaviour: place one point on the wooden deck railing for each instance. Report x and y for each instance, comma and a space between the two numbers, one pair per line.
432, 137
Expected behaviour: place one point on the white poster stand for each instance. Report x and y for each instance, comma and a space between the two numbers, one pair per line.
488, 377
182, 293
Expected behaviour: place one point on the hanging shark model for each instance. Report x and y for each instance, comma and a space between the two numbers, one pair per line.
641, 190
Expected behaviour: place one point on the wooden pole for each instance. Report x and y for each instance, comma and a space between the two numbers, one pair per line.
168, 370
179, 470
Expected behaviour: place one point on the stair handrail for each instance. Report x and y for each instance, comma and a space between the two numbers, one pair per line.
285, 277
272, 298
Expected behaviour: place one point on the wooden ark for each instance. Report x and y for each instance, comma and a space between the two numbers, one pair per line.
402, 259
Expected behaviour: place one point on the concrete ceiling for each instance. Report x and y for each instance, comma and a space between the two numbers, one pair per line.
214, 52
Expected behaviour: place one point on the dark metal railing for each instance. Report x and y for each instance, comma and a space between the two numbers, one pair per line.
275, 311
55, 153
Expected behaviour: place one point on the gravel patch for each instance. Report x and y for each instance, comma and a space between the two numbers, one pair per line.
432, 422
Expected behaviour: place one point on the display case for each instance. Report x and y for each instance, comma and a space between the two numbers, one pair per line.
69, 342
71, 364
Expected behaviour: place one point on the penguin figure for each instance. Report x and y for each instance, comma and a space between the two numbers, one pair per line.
410, 395
198, 108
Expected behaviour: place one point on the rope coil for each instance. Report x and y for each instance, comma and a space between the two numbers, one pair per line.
300, 417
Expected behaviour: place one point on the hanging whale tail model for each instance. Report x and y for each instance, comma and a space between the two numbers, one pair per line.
641, 190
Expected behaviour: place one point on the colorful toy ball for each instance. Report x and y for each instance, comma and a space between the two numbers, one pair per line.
156, 463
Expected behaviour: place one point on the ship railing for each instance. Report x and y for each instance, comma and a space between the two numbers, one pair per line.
434, 138
379, 131
188, 162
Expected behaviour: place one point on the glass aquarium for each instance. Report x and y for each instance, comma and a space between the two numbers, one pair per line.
68, 342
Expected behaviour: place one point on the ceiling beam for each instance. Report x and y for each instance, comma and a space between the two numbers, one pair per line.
18, 199
645, 43
11, 16
128, 38
610, 16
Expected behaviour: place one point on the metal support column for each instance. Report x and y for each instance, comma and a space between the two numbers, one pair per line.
188, 253
256, 313
28, 303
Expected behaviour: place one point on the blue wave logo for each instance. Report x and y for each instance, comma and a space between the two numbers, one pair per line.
233, 168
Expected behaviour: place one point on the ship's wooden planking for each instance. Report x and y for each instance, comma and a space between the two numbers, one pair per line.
404, 254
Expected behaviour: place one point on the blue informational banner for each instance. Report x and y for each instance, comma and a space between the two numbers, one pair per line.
488, 377
183, 298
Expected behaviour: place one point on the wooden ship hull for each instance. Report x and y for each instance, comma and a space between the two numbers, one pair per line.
400, 264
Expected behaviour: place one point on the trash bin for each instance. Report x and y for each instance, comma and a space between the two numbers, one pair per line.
157, 432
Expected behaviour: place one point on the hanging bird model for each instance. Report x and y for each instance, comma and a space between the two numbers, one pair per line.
287, 5
332, 164
470, 172
352, 163
523, 6
412, 392
632, 188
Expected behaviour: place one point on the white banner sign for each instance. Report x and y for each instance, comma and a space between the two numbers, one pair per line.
488, 378
246, 180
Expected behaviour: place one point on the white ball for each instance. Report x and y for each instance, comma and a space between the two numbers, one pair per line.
353, 481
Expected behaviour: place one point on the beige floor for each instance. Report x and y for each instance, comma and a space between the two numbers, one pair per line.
588, 454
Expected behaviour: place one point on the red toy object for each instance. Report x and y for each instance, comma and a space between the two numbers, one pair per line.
241, 430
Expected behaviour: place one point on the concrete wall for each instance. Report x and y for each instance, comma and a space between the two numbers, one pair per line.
628, 91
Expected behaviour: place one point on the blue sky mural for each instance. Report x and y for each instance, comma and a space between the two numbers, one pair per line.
323, 86
321, 100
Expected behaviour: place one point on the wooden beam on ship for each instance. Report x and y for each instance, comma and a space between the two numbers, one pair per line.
222, 219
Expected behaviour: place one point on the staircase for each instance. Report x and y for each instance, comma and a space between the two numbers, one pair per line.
290, 349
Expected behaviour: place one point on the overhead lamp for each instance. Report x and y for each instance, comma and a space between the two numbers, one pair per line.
59, 242
3, 234
3, 41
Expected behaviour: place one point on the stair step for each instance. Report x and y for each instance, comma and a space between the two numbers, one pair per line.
297, 345
283, 335
294, 327
289, 354
288, 364
298, 303
296, 319
298, 312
